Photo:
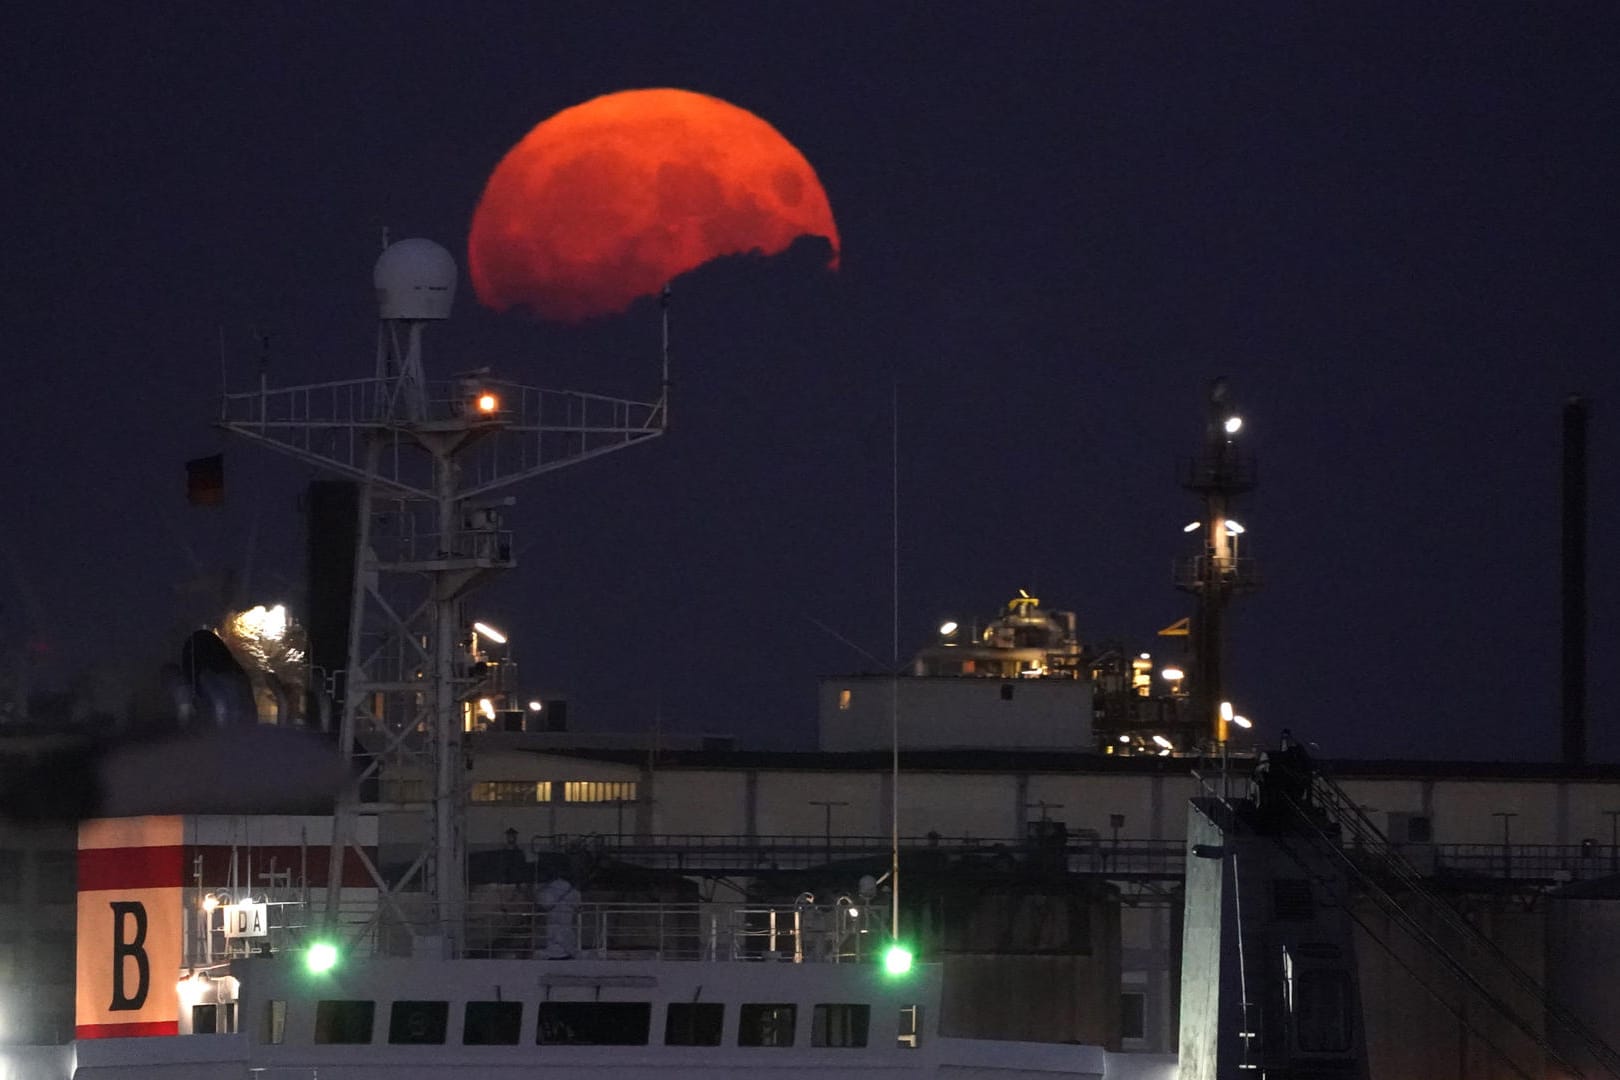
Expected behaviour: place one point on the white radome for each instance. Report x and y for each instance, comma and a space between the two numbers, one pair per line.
415, 279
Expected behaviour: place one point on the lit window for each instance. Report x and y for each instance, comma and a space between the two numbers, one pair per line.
585, 791
844, 698
512, 792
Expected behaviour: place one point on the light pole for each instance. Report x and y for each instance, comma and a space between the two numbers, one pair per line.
827, 805
1507, 840
1614, 839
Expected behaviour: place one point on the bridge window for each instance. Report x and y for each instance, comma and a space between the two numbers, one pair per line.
594, 1023
344, 1022
910, 1031
1133, 1015
492, 1023
418, 1023
599, 791
275, 1022
839, 1025
695, 1023
213, 1019
765, 1025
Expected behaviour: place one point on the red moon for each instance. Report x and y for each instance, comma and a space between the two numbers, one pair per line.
609, 200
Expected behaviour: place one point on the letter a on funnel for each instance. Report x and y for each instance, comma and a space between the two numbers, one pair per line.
607, 201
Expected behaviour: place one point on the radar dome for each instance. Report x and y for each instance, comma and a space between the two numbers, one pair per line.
415, 279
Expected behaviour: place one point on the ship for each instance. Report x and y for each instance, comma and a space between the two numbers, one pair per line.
357, 945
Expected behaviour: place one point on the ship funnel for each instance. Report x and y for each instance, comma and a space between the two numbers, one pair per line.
415, 280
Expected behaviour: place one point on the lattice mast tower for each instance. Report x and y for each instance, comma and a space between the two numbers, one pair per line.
431, 460
1221, 472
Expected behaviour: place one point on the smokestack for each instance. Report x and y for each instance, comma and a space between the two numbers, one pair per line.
1574, 569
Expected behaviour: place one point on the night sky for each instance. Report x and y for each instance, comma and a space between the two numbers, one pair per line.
1393, 229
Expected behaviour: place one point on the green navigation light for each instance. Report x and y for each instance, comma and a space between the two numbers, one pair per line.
897, 959
321, 957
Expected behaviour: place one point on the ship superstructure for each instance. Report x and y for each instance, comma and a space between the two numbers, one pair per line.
433, 460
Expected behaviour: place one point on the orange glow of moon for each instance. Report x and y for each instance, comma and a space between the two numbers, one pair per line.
609, 200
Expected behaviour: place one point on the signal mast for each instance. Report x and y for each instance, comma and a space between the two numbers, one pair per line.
1219, 474
431, 460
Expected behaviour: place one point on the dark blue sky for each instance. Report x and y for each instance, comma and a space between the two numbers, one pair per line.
1393, 229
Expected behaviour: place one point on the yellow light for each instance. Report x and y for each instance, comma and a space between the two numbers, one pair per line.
490, 632
1226, 711
946, 629
536, 706
1173, 674
488, 403
1192, 526
486, 708
1234, 424
1234, 528
210, 902
1162, 741
1242, 722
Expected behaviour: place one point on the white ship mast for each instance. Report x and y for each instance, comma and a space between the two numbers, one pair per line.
431, 459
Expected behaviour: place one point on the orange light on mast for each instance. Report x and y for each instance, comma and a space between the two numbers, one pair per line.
488, 403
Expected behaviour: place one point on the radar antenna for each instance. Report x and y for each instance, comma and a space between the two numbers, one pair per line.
428, 458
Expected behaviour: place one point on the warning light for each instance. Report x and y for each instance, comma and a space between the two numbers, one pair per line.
321, 957
488, 403
897, 959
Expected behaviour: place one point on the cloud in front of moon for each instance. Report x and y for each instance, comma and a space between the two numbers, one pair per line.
609, 200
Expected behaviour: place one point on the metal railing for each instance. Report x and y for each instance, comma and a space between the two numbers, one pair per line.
1082, 854
528, 922
1543, 864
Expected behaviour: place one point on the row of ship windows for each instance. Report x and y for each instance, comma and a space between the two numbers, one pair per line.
581, 1023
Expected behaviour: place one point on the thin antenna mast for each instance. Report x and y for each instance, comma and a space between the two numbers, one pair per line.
894, 658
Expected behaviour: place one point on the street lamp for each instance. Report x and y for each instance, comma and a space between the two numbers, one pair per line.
828, 804
485, 630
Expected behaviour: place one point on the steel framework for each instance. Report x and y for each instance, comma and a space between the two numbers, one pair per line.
432, 460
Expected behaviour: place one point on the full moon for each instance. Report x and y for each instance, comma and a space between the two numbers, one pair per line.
607, 201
